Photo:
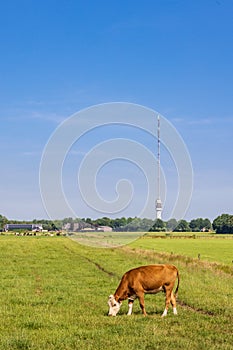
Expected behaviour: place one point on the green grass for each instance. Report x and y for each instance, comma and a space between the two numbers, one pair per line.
54, 296
105, 239
213, 249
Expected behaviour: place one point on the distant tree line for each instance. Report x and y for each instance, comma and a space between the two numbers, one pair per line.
195, 225
222, 224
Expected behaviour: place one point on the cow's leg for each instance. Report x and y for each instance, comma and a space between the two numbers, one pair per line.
173, 302
167, 302
130, 305
140, 296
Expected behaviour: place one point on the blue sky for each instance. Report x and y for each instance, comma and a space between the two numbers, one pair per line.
173, 56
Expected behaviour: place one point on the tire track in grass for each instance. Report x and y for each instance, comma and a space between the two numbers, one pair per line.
186, 306
101, 268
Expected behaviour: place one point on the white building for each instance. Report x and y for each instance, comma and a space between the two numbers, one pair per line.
30, 227
104, 228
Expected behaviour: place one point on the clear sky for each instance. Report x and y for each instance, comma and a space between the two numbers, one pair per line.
58, 57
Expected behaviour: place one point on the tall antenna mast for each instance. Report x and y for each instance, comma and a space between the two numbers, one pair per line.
158, 205
158, 161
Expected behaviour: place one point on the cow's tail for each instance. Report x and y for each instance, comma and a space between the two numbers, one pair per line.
178, 283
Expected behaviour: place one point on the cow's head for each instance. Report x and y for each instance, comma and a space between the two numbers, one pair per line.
114, 306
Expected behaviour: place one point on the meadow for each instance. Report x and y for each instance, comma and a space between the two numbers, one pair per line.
54, 295
212, 248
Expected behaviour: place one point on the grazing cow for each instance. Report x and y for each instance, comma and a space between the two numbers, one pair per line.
149, 279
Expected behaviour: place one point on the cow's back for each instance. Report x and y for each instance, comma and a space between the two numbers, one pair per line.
150, 277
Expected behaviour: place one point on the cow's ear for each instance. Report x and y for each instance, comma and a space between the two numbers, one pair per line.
111, 299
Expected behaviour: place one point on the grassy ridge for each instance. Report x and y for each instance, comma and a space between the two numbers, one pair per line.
54, 296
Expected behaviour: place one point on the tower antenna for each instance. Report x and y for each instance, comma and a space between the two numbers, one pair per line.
158, 205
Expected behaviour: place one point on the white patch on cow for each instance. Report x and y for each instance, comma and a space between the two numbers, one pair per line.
114, 306
164, 313
174, 311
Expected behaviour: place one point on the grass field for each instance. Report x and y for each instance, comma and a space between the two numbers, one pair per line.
54, 296
213, 249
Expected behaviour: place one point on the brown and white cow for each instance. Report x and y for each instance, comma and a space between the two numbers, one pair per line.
149, 279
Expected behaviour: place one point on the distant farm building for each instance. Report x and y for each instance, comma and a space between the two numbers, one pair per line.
88, 229
104, 228
84, 227
30, 227
77, 226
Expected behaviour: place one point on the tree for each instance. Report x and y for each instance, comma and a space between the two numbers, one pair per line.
103, 221
146, 224
67, 220
159, 226
58, 224
3, 222
223, 224
200, 224
119, 224
171, 224
89, 221
207, 224
182, 226
133, 225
